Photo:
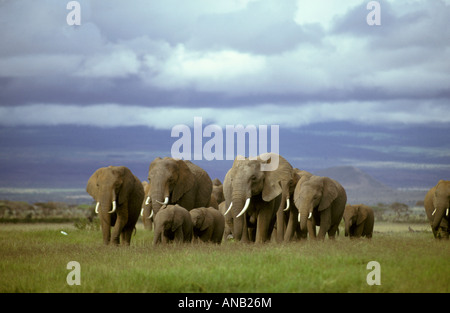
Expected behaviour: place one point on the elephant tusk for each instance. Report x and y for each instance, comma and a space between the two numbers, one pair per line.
151, 215
299, 217
166, 201
287, 205
447, 211
247, 203
142, 212
96, 207
229, 208
433, 212
310, 215
114, 206
147, 202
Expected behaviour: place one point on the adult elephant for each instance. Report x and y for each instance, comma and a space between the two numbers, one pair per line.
293, 227
321, 200
119, 195
175, 181
253, 192
437, 203
359, 221
146, 211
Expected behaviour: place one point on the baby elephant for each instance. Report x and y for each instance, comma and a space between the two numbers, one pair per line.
172, 223
209, 224
359, 221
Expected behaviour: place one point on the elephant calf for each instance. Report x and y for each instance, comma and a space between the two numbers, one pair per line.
172, 223
359, 220
209, 224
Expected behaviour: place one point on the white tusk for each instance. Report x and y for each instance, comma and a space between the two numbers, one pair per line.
310, 215
147, 202
113, 207
299, 217
287, 204
166, 201
151, 215
142, 212
433, 212
229, 208
96, 207
247, 202
447, 211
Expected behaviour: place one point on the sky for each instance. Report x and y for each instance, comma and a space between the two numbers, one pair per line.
111, 90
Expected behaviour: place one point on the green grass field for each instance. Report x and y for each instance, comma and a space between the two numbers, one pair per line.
34, 259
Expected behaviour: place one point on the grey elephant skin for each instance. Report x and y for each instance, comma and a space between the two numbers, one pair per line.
253, 195
208, 224
172, 224
119, 195
290, 215
320, 201
359, 221
180, 182
437, 203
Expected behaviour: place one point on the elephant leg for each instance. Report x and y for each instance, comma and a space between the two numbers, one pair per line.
263, 225
126, 234
332, 231
178, 235
325, 224
245, 230
280, 226
311, 226
291, 226
121, 221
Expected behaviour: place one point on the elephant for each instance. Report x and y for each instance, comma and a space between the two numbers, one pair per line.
321, 200
217, 190
437, 203
293, 226
208, 223
119, 195
172, 224
175, 181
146, 211
359, 221
253, 195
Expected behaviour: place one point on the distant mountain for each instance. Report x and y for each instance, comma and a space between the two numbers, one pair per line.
363, 188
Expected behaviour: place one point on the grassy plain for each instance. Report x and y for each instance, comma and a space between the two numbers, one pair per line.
33, 258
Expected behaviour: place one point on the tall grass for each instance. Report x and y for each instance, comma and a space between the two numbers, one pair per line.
35, 259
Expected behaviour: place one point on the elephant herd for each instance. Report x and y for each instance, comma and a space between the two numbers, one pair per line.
183, 204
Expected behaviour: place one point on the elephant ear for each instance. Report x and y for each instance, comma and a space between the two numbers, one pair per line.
274, 180
91, 187
185, 182
175, 217
208, 220
329, 193
362, 215
227, 190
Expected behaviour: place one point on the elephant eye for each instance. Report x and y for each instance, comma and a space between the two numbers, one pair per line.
253, 177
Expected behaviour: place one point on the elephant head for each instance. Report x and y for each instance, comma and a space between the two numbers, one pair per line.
441, 203
354, 215
201, 220
315, 192
170, 179
247, 178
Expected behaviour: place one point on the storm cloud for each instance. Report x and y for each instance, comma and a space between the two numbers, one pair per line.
294, 63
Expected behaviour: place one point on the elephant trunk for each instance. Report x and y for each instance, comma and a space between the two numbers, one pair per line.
347, 227
159, 196
305, 214
239, 202
438, 215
